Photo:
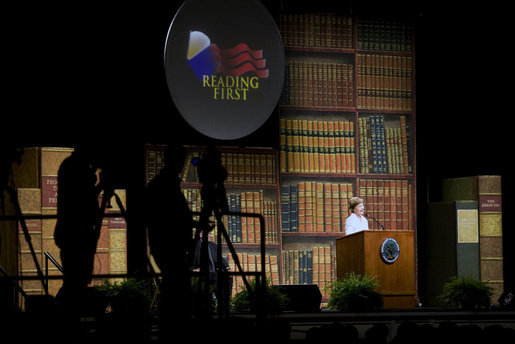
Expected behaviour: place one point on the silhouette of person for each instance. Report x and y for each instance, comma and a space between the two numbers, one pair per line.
170, 230
212, 251
75, 233
377, 334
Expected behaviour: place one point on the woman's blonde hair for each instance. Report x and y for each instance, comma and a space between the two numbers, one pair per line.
353, 202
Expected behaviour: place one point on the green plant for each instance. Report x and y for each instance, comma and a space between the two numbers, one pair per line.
127, 296
129, 318
201, 297
355, 293
274, 300
466, 292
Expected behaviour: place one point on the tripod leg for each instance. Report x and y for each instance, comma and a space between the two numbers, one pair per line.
19, 214
221, 228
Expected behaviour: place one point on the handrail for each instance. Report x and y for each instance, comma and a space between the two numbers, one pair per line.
19, 218
46, 216
12, 281
260, 275
262, 239
55, 262
48, 257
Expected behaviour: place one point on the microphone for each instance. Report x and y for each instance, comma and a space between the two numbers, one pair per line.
373, 218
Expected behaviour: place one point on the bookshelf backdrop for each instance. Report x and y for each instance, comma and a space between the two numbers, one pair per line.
347, 128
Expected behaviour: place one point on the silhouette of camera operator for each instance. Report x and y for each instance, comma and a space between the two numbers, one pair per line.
170, 230
76, 230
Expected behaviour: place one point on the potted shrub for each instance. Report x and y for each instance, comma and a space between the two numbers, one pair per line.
127, 296
466, 292
202, 305
355, 293
274, 301
129, 308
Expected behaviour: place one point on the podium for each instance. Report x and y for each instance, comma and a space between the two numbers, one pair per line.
388, 255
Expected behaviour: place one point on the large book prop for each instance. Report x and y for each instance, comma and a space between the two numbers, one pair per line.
487, 191
450, 247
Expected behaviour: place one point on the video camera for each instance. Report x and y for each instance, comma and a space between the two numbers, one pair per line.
212, 175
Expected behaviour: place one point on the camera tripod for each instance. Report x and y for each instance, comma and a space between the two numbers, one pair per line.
212, 176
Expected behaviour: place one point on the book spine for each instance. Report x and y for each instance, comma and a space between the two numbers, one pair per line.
328, 207
117, 237
467, 239
490, 232
301, 206
309, 267
285, 208
29, 200
309, 195
294, 208
238, 220
316, 267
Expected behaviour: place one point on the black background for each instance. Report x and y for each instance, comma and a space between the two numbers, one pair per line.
86, 72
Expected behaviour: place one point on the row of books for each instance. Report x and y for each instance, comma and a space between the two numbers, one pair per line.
242, 168
316, 30
154, 161
308, 146
389, 201
382, 149
317, 84
385, 82
245, 230
252, 263
312, 266
332, 31
309, 207
250, 169
384, 34
385, 71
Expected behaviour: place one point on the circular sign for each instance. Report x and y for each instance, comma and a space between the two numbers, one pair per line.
224, 66
390, 250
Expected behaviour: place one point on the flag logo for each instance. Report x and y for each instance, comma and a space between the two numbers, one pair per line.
207, 59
